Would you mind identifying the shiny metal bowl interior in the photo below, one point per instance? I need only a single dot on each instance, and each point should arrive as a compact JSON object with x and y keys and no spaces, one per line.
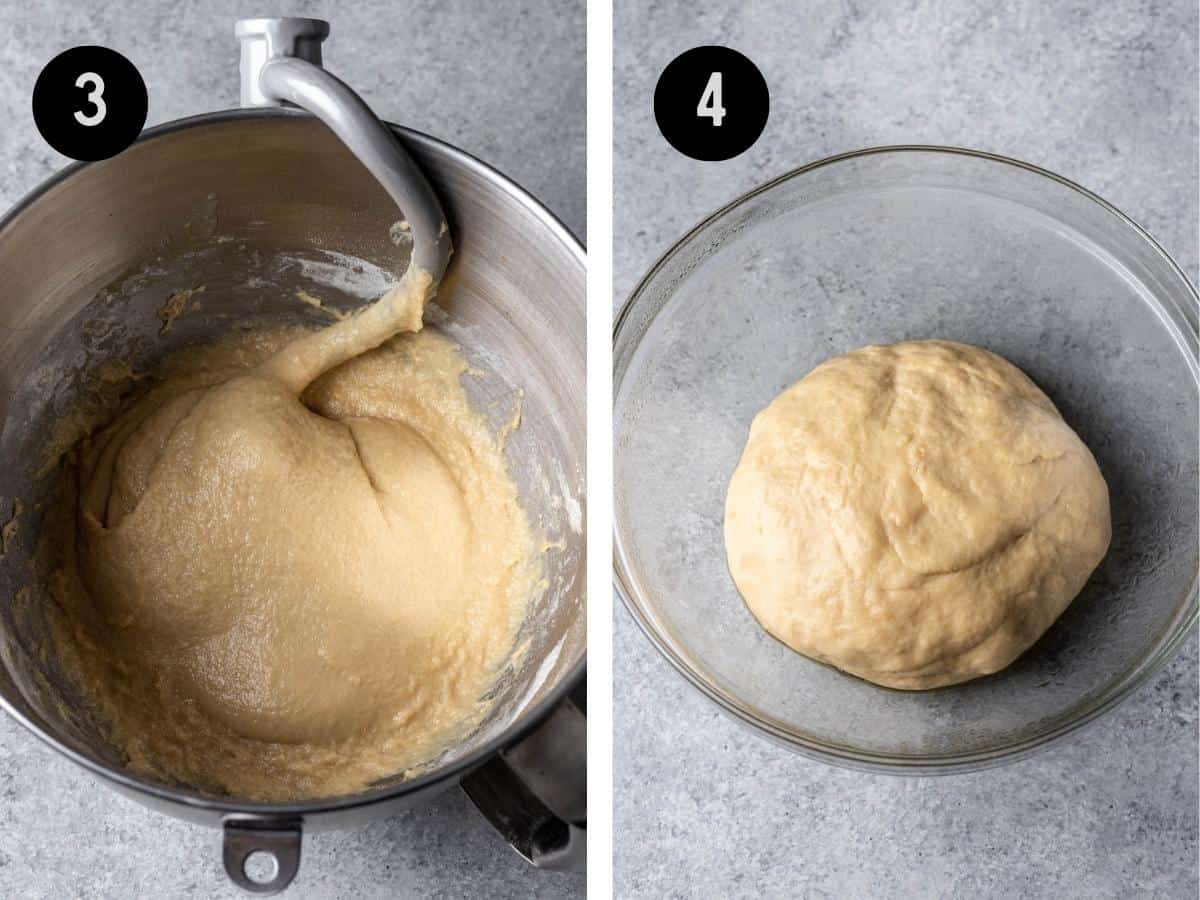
{"x":876,"y":247}
{"x":253,"y":207}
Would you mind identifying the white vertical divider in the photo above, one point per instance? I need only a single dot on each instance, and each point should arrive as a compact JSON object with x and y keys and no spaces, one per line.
{"x":599,"y":451}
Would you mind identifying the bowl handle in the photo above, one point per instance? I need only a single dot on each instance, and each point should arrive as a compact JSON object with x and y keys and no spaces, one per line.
{"x":278,"y":839}
{"x":535,"y":792}
{"x":281,"y":65}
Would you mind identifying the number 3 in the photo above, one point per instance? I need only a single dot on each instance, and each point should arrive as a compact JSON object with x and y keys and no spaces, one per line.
{"x":710,"y":100}
{"x":95,"y":97}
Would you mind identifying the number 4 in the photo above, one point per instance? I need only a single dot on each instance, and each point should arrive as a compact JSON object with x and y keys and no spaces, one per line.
{"x":710,"y":100}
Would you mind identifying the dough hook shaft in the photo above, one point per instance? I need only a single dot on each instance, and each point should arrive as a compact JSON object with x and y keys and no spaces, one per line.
{"x":281,"y":64}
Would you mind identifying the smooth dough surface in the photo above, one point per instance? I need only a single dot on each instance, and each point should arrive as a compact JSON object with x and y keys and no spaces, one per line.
{"x":915,"y":514}
{"x":300,"y":560}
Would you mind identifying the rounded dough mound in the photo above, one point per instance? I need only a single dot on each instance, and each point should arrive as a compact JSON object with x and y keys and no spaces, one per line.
{"x":916,"y":515}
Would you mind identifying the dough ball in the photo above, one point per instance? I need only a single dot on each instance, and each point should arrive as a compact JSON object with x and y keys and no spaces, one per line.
{"x":916,"y":514}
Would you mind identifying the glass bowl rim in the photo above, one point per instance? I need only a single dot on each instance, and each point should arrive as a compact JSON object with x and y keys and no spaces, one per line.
{"x":626,"y":585}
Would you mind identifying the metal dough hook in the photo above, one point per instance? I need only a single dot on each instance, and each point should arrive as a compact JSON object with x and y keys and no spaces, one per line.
{"x":281,"y":65}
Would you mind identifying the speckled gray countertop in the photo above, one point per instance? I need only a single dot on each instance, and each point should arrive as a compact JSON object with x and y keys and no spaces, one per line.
{"x":1104,"y":94}
{"x":503,"y":81}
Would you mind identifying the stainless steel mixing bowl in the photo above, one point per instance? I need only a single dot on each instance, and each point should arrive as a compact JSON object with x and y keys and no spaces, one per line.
{"x":254,"y":206}
{"x":881,"y":246}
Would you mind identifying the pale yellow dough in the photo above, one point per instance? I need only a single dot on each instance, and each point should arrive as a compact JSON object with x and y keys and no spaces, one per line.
{"x":916,"y":514}
{"x":301,"y":561}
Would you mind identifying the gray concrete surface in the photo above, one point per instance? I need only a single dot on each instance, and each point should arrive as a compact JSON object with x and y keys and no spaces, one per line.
{"x":505,"y":82}
{"x":1105,"y":94}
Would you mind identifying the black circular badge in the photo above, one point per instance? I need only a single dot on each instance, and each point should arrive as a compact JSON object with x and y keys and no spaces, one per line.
{"x":90,"y":103}
{"x":711,"y":103}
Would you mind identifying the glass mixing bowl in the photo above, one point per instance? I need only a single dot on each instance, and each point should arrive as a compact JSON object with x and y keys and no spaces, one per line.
{"x":881,"y":246}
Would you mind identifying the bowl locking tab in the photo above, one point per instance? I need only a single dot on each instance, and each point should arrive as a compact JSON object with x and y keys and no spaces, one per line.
{"x":275,"y":841}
